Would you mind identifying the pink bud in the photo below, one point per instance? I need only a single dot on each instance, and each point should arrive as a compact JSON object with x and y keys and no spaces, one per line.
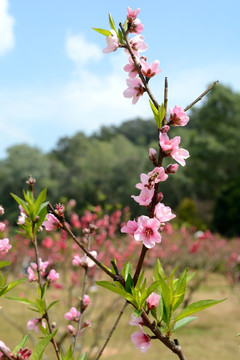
{"x":153,"y":301}
{"x":165,"y":129}
{"x":152,"y":155}
{"x":2,"y":226}
{"x":171,"y":169}
{"x":1,"y":210}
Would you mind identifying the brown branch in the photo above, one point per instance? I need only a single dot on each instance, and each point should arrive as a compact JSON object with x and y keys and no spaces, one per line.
{"x":172,"y":345}
{"x":165,"y":100}
{"x":65,"y":227}
{"x":201,"y":96}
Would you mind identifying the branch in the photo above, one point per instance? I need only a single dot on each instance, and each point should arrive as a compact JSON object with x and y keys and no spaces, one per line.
{"x":111,"y":331}
{"x":201,"y":96}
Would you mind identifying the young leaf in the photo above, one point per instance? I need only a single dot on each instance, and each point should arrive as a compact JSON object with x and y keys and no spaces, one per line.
{"x":137,"y":313}
{"x":117,"y":290}
{"x":52,"y":303}
{"x":21,"y":344}
{"x":183,"y":322}
{"x":111,"y":22}
{"x":39,"y":348}
{"x":21,"y":202}
{"x":103,"y":31}
{"x":4,"y":263}
{"x":195,"y":307}
{"x":83,"y":357}
{"x":41,"y":198}
{"x":180,"y":290}
{"x":22,"y":300}
{"x":10,"y":286}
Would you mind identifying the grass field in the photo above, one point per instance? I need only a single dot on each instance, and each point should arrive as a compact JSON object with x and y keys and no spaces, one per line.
{"x":212,"y":336}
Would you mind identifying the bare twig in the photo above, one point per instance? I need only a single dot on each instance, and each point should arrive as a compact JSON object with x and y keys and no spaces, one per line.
{"x":112,"y":331}
{"x":201,"y":96}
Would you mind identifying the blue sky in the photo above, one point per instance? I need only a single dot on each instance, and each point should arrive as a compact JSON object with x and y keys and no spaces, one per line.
{"x":55,"y":80}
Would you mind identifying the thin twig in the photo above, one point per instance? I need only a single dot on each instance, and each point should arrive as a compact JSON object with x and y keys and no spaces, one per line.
{"x":201,"y":96}
{"x":81,"y":303}
{"x":165,"y":100}
{"x":112,"y":331}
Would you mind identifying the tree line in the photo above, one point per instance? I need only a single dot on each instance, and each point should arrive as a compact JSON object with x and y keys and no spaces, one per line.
{"x":103,"y":168}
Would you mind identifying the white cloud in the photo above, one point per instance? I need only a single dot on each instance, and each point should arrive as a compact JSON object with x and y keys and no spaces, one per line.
{"x":6,"y":28}
{"x":80,"y":50}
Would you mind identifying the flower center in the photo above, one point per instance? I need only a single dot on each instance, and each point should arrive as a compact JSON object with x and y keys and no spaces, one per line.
{"x":148,"y":232}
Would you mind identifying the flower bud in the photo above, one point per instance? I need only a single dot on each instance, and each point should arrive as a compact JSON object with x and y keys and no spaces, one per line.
{"x":165,"y":129}
{"x":171,"y":169}
{"x":1,"y":210}
{"x":152,"y":155}
{"x":159,"y":196}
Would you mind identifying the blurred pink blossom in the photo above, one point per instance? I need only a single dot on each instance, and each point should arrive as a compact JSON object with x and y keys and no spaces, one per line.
{"x":141,"y":340}
{"x":112,"y":42}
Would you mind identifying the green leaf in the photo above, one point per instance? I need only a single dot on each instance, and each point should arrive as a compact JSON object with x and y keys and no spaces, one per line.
{"x":195,"y":307}
{"x":41,"y":198}
{"x":183,"y":322}
{"x":180,"y":290}
{"x":127,"y":269}
{"x":158,"y":272}
{"x":21,"y":344}
{"x":22,"y":300}
{"x":117,"y":290}
{"x":158,"y":113}
{"x":41,"y":305}
{"x":137,"y":313}
{"x":39,"y":348}
{"x":4,"y":263}
{"x":69,"y":354}
{"x":103,"y":31}
{"x":52,"y":304}
{"x":10,"y":286}
{"x":111,"y":22}
{"x":125,"y":25}
{"x":129,"y":285}
{"x":83,"y":357}
{"x":21,"y":202}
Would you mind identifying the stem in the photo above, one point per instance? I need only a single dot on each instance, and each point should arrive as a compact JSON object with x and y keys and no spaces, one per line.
{"x":201,"y":96}
{"x":82,"y":247}
{"x":140,"y":264}
{"x":112,"y":331}
{"x":53,"y":341}
{"x":165,"y":100}
{"x":138,"y":67}
{"x":81,"y":304}
{"x":172,"y":345}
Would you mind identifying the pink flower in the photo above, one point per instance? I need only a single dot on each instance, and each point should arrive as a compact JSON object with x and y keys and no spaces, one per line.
{"x":147,"y":231}
{"x":47,"y":242}
{"x":51,"y":223}
{"x":31,"y":274}
{"x":153,"y":301}
{"x":1,"y":210}
{"x":150,"y":70}
{"x":132,"y":14}
{"x":86,"y":301}
{"x":145,"y":196}
{"x":136,"y":321}
{"x":179,"y":155}
{"x":137,"y":44}
{"x":2,"y":226}
{"x":33,"y":324}
{"x":71,"y":330}
{"x":112,"y":42}
{"x":136,"y":27}
{"x":178,"y":117}
{"x":131,"y":68}
{"x":163,"y":213}
{"x":167,"y":144}
{"x":141,"y":340}
{"x":158,"y":174}
{"x":84,"y":261}
{"x":4,"y":347}
{"x":130,"y":228}
{"x":135,"y":89}
{"x":53,"y":276}
{"x":4,"y":246}
{"x":72,"y":315}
